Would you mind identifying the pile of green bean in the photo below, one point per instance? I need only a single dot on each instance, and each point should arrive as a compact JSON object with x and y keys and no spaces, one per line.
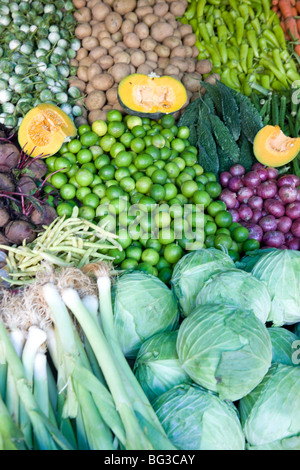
{"x":244,"y":41}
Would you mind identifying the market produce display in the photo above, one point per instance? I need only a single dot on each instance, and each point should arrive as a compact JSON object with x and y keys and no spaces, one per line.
{"x":150,"y":225}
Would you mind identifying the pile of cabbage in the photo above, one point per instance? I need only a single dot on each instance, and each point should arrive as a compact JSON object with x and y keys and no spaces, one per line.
{"x":218,"y":352}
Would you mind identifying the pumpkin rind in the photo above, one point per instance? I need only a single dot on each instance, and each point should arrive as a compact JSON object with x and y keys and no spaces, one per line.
{"x":151,"y":96}
{"x":44,"y":129}
{"x":272,"y":147}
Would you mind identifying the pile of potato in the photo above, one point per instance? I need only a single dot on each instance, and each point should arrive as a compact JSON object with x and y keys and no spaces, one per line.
{"x":120,"y":37}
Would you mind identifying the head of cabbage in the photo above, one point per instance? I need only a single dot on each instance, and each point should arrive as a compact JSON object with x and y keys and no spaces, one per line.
{"x":280,"y":271}
{"x":284,"y":346}
{"x":236,"y":287}
{"x":192,"y":271}
{"x":225,"y":349}
{"x":197,"y":419}
{"x":157,"y":366}
{"x":270,"y":413}
{"x":143,"y":305}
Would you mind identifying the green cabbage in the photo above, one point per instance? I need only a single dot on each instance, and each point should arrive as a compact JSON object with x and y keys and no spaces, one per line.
{"x":280,"y":271}
{"x":225,"y":349}
{"x":157,"y":366}
{"x":192,"y":271}
{"x":284,"y":344}
{"x":270,"y":414}
{"x":196,"y":419}
{"x":143,"y":305}
{"x":236,"y":287}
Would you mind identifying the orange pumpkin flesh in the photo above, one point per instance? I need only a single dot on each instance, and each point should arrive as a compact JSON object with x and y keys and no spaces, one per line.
{"x":273,"y":148}
{"x":44,"y":129}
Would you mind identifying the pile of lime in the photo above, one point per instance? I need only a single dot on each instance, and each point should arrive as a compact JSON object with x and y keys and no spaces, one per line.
{"x":141,"y":178}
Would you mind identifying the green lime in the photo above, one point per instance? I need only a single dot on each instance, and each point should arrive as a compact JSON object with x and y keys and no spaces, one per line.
{"x":58,"y":180}
{"x":99,"y":127}
{"x":127,"y":184}
{"x":99,"y":190}
{"x":143,"y":184}
{"x":116,"y":128}
{"x":165,"y":275}
{"x":154,"y":243}
{"x":213,"y":188}
{"x":101,"y":161}
{"x":214,"y":207}
{"x":123,"y":159}
{"x":107,"y":172}
{"x":84,"y":177}
{"x":91,"y":200}
{"x":172,"y":170}
{"x":201,"y":197}
{"x":173,"y":252}
{"x":157,"y":192}
{"x":114,"y":115}
{"x":64,"y":208}
{"x":166,"y":235}
{"x":116,"y":148}
{"x":81,"y":192}
{"x":210,"y":176}
{"x":153,"y":151}
{"x":138,"y":131}
{"x":89,"y":138}
{"x":162,"y":219}
{"x":159,"y":176}
{"x":234,"y":255}
{"x":170,"y":191}
{"x":240,"y":234}
{"x":87,"y":212}
{"x":167,"y":121}
{"x":124,"y":238}
{"x":132,"y":121}
{"x":106,"y":142}
{"x":74,"y":145}
{"x":134,"y":252}
{"x":62,"y":164}
{"x":223,"y":219}
{"x":129,"y":264}
{"x":67,"y":191}
{"x":210,"y":228}
{"x":150,"y":256}
{"x":126,"y":138}
{"x":146,"y":268}
{"x":189,"y":157}
{"x":158,"y":141}
{"x":142,"y":161}
{"x":250,"y":245}
{"x":223,"y":241}
{"x":183,"y":132}
{"x":189,"y":188}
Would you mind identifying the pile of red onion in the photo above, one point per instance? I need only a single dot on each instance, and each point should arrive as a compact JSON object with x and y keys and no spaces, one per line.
{"x":267,"y":203}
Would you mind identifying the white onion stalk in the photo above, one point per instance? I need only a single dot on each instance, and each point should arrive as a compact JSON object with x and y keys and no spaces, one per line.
{"x":40,"y":379}
{"x":12,"y":400}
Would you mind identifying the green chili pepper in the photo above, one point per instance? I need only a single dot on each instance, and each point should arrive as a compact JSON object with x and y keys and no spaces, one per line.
{"x":234,"y":5}
{"x":282,"y":111}
{"x":228,"y":21}
{"x":214,"y":2}
{"x":234,"y":77}
{"x":190,"y":11}
{"x":222,"y":48}
{"x":265,"y":81}
{"x":285,"y":56}
{"x":233,"y":53}
{"x":291,"y":65}
{"x":271,"y":38}
{"x":263,"y":45}
{"x":250,"y":57}
{"x":233,"y":41}
{"x":194,"y":24}
{"x":223,"y":32}
{"x":240,"y":28}
{"x":232,"y":64}
{"x":278,"y":86}
{"x":243,"y":56}
{"x":251,"y":12}
{"x":210,"y":29}
{"x":277,"y":60}
{"x":268,"y":64}
{"x":293,"y":75}
{"x":256,"y":26}
{"x":252,"y":39}
{"x":215,"y":56}
{"x":200,"y":4}
{"x":258,"y":8}
{"x":226,"y":78}
{"x":278,"y":31}
{"x":202,"y":29}
{"x":266,"y":8}
{"x":243,"y":9}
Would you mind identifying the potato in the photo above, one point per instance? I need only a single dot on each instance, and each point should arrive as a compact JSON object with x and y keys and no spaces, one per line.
{"x":191,"y":64}
{"x":95,"y":100}
{"x":159,"y":71}
{"x":81,"y":54}
{"x":185,"y":29}
{"x":83,"y":30}
{"x":160,"y":9}
{"x":132,"y":40}
{"x":151,"y":55}
{"x":172,"y":70}
{"x":178,"y":7}
{"x":89,"y":88}
{"x":83,"y":15}
{"x":82,"y":73}
{"x":100,"y":11}
{"x":148,"y":44}
{"x":80,"y":84}
{"x":92,"y":3}
{"x":112,"y":95}
{"x":122,"y":58}
{"x":180,"y":63}
{"x":189,"y":39}
{"x":86,"y":62}
{"x":195,"y":52}
{"x":96,"y":114}
{"x":119,"y":71}
{"x":204,"y":66}
{"x":113,"y":22}
{"x":191,"y":81}
{"x":93,"y":70}
{"x":178,"y":51}
{"x":162,"y":51}
{"x":97,"y":28}
{"x":74,"y":63}
{"x":143,"y":11}
{"x":141,"y":30}
{"x":118,"y":36}
{"x":212,"y":78}
{"x":107,"y":43}
{"x":145,"y":69}
{"x":103,"y":81}
{"x":105,"y":62}
{"x":89,"y":43}
{"x":137,"y":58}
{"x":124,"y":6}
{"x":172,"y":42}
{"x":98,"y":52}
{"x":132,"y":17}
{"x":163,"y":62}
{"x":79,"y":4}
{"x":127,"y":27}
{"x":112,"y":51}
{"x":150,"y":19}
{"x":161,"y":30}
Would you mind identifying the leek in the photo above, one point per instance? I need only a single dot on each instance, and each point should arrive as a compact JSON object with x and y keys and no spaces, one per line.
{"x":11,"y":437}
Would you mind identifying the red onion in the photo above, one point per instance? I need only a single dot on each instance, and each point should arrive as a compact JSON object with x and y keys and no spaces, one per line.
{"x":252,"y":179}
{"x":237,"y":204}
{"x":235,"y":183}
{"x":273,"y":238}
{"x":289,"y":237}
{"x":262,"y":173}
{"x":228,"y":197}
{"x":287,"y":193}
{"x":255,"y":231}
{"x":255,"y":202}
{"x":286,"y":180}
{"x":292,"y":210}
{"x":224,"y":178}
{"x":284,"y":224}
{"x":256,"y":216}
{"x":268,"y":223}
{"x":257,"y":166}
{"x":298,"y":194}
{"x":272,"y":172}
{"x":274,"y":207}
{"x":244,"y":194}
{"x":235,"y":215}
{"x":237,"y":170}
{"x":296,"y":180}
{"x":267,"y":189}
{"x":245,"y":212}
{"x":294,"y":244}
{"x":295,"y":229}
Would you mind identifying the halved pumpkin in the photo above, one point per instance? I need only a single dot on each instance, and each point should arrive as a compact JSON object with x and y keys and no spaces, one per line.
{"x":272,"y":147}
{"x":150,"y":95}
{"x":44,"y":129}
